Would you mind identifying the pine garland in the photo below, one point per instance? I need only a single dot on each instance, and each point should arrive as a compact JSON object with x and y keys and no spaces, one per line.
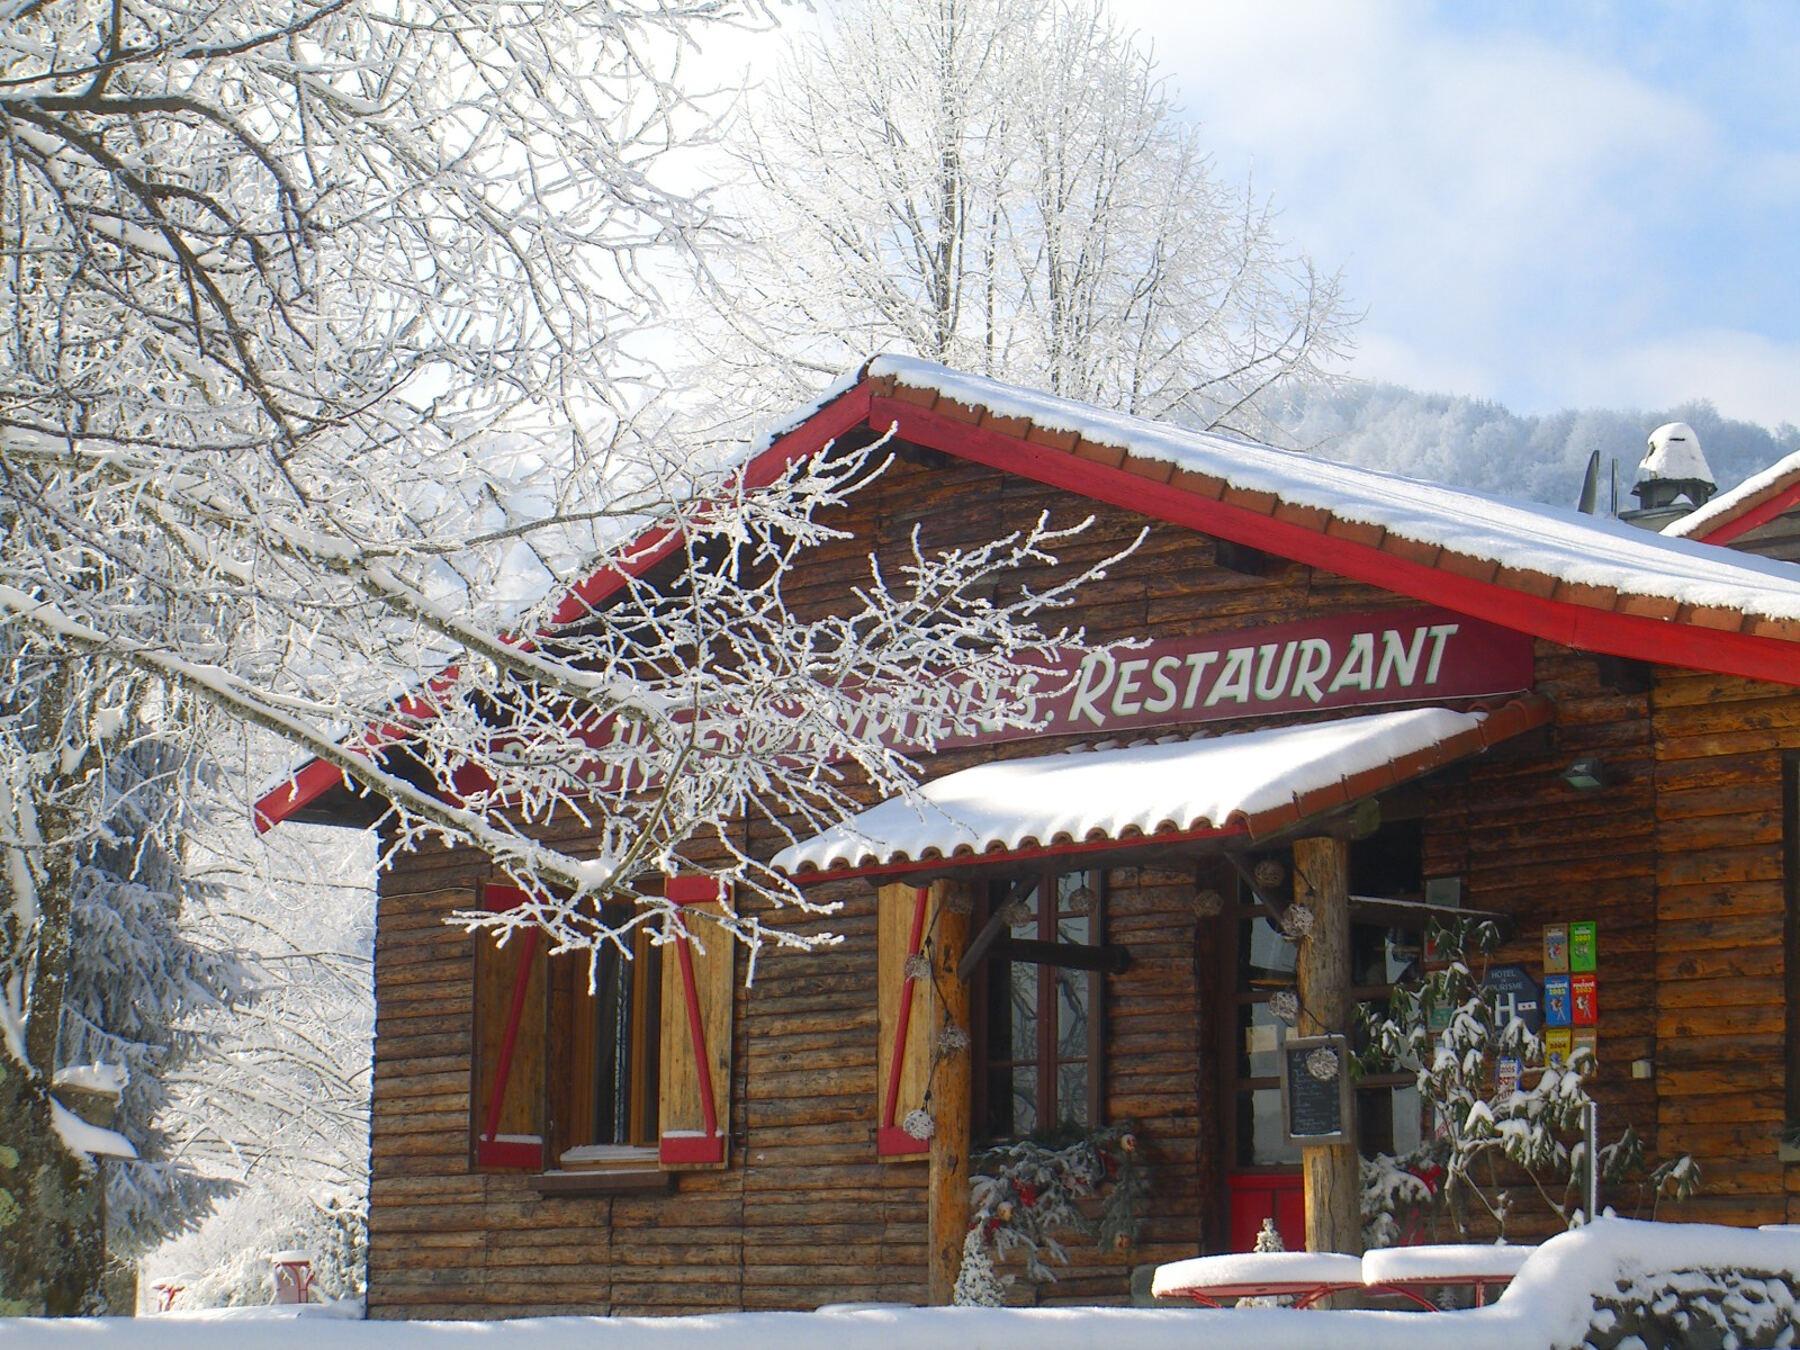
{"x":1026,"y":1193}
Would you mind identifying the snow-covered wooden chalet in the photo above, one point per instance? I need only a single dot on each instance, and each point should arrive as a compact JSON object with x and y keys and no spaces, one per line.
{"x":1414,"y":700}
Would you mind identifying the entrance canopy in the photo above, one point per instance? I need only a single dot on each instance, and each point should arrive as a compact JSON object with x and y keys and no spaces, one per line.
{"x":1252,"y":784}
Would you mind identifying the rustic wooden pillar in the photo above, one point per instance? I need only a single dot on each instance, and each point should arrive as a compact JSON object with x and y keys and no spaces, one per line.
{"x":948,"y":1183}
{"x":1333,"y":1172}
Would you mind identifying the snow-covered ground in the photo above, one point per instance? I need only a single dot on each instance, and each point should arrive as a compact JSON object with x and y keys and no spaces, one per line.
{"x":1667,"y":1267}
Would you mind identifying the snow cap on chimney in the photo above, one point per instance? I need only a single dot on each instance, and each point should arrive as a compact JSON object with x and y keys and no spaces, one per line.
{"x":1674,"y":456}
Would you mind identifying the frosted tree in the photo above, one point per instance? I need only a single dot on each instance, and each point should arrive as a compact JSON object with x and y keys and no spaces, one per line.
{"x":141,"y":987}
{"x":1005,"y":186}
{"x":317,"y":387}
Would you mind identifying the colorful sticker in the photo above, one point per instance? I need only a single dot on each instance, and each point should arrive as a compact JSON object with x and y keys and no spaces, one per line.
{"x":1437,"y":1018}
{"x":1558,"y":1041}
{"x":1556,"y":949}
{"x":1584,"y":996}
{"x":1506,"y":1077}
{"x":1558,"y":1008}
{"x":1587,"y":1041}
{"x":1584,"y":946}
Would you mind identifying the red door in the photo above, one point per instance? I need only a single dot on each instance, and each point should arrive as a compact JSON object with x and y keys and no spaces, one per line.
{"x":1256,"y":1196}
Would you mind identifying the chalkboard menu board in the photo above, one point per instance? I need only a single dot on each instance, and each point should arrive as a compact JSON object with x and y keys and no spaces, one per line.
{"x":1315,"y":1110}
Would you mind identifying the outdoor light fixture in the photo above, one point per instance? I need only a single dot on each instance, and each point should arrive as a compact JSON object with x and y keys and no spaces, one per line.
{"x":1587,"y":774}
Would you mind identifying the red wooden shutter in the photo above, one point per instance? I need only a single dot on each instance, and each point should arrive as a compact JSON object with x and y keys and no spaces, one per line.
{"x":695,"y":1080}
{"x":508,"y":1097}
{"x":903,"y":1063}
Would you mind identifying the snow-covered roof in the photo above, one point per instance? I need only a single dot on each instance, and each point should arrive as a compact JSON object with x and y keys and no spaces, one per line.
{"x":1675,"y":455}
{"x":1252,"y":782}
{"x":1540,"y":550}
{"x":1590,"y":583}
{"x":1778,"y":479}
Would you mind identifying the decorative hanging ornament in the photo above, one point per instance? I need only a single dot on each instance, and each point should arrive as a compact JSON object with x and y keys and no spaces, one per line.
{"x":952,"y":1040}
{"x":1080,"y":900}
{"x":1268,"y":874}
{"x":918,"y":967}
{"x":1297,"y":922}
{"x":959,"y":900}
{"x":1208,"y":904}
{"x":1285,"y":1005}
{"x":919,"y":1124}
{"x":1322,"y":1064}
{"x":1017,"y":912}
{"x":1128,"y":1142}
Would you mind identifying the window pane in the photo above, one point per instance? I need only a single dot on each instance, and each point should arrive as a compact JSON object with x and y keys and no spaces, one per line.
{"x":1072,"y":997}
{"x":1012,"y":1011}
{"x":1259,"y":1042}
{"x":1024,"y":1102}
{"x":1268,"y":957}
{"x":1074,"y":928}
{"x":1022,"y":993}
{"x":1026,"y":902}
{"x":1409,"y":1130}
{"x":1260,"y":1139}
{"x":1072,"y":1094}
{"x":1077,"y":892}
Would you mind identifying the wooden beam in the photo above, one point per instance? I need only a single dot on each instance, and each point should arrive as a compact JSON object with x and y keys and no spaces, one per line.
{"x":947,"y":1206}
{"x":990,"y":931}
{"x":1333,"y":1173}
{"x":1111,"y":958}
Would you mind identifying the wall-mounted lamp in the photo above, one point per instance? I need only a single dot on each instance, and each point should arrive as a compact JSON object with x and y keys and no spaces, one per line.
{"x":1587,"y":774}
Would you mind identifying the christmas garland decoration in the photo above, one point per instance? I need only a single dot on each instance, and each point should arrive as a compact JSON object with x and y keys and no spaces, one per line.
{"x":1026,"y":1193}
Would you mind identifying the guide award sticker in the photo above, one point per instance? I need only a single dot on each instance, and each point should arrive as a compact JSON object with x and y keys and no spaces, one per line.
{"x":1585,"y":998}
{"x":1556,"y":949}
{"x":1584,"y":946}
{"x":1558,"y":1011}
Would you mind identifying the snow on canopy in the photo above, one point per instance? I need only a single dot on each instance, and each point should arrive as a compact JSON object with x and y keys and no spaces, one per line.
{"x":1784,"y":473}
{"x":1208,"y":782}
{"x":1562,"y":544}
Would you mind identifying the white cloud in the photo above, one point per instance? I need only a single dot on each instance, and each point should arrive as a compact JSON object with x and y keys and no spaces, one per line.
{"x":1746,"y":375}
{"x":1500,"y":203}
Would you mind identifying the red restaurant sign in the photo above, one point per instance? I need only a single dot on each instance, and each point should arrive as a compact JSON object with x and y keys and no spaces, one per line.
{"x":1356,"y":660}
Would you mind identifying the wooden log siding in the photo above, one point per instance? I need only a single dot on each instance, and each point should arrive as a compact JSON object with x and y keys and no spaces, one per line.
{"x":1720,"y":1015}
{"x":805,"y":1213}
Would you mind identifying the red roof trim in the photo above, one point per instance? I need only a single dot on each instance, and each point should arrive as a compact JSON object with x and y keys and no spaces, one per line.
{"x":317,"y":777}
{"x":1760,"y":514}
{"x":1726,"y":652}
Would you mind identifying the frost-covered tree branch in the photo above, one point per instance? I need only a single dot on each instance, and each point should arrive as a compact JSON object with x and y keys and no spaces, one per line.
{"x":1007,"y":186}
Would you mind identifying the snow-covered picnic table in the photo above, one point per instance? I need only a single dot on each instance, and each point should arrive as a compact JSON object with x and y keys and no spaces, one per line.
{"x":1307,"y":1277}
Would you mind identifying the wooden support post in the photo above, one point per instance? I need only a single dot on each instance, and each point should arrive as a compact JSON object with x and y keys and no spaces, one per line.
{"x":948,"y":1183}
{"x":1333,"y":1173}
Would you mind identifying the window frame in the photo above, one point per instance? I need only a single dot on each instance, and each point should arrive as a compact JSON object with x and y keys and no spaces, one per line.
{"x":1047,"y":1060}
{"x":571,"y":1027}
{"x":561,"y":1076}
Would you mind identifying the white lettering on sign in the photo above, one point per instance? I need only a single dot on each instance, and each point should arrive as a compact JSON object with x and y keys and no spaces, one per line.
{"x":1391,"y":661}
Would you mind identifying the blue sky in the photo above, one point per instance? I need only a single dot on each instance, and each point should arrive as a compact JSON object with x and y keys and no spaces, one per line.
{"x":1549,"y":204}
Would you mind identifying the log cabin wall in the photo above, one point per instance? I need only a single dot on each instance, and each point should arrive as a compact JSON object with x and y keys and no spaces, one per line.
{"x":1724,"y":992}
{"x":804,"y":1213}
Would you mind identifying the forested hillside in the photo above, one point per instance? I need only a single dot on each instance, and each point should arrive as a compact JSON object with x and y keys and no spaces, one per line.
{"x":1476,"y":443}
